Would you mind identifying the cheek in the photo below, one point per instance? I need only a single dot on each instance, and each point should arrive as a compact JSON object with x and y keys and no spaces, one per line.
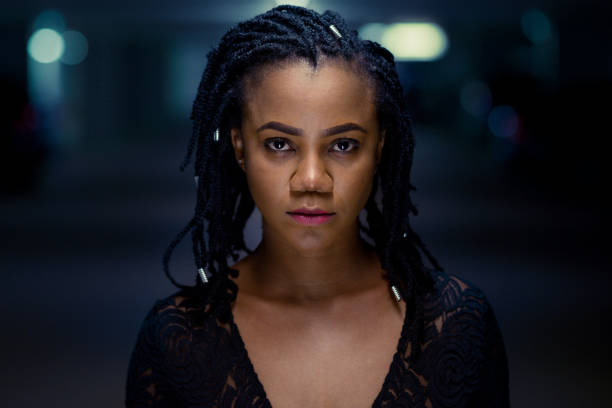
{"x":353,"y":189}
{"x":265,"y":184}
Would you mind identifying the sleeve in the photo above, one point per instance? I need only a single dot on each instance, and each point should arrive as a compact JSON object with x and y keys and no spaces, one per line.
{"x":494,"y":389}
{"x":146,"y":384}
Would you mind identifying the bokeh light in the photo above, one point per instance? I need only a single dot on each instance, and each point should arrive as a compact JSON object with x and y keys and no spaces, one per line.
{"x":49,"y":19}
{"x":503,"y":121}
{"x":415,"y":41}
{"x":372,"y":31}
{"x":536,"y":26}
{"x":46,"y":45}
{"x":301,"y":3}
{"x":409,"y":41}
{"x":76,"y":47}
{"x":476,"y":98}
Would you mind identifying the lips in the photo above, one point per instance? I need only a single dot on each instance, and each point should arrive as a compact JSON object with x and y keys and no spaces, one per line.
{"x":313,"y":211}
{"x":313,"y":216}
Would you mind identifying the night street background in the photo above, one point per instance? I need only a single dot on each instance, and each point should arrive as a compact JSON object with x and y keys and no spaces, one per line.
{"x":510,"y":168}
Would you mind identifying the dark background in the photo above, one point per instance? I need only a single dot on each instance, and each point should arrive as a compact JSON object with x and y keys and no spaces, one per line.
{"x":90,"y":192}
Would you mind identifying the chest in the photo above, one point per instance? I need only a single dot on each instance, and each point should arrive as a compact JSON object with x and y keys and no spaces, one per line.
{"x":321,"y":363}
{"x":332,"y":379}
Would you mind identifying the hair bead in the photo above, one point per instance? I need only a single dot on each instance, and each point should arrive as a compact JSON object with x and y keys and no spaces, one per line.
{"x":203,"y":276}
{"x":335,"y":31}
{"x":396,"y":293}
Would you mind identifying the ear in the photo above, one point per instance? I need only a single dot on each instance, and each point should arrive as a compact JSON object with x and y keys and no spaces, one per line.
{"x":379,"y":147}
{"x":238,"y":143}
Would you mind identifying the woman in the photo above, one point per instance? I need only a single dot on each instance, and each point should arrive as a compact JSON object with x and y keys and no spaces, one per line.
{"x":297,"y":115}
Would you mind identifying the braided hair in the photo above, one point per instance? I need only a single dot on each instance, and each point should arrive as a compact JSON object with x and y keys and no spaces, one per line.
{"x":224,"y":202}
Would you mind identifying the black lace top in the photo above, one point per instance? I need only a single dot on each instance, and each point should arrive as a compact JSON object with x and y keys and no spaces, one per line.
{"x":463,"y":362}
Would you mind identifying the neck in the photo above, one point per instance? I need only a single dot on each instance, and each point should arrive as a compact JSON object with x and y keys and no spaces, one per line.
{"x":277,"y":270}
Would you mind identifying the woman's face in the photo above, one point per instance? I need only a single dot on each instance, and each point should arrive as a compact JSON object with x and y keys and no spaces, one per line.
{"x":309,"y":140}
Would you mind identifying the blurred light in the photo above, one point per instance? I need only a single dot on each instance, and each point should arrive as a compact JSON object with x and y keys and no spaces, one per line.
{"x":536,"y":26}
{"x":46,"y":46}
{"x":503,"y":121}
{"x":476,"y":98}
{"x":49,"y":19}
{"x":301,"y":3}
{"x":372,"y":31}
{"x":44,"y":83}
{"x":184,"y":72}
{"x":415,"y":41}
{"x":408,"y":41}
{"x":76,"y":47}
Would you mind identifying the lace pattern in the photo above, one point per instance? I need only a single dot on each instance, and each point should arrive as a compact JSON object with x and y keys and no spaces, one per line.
{"x":463,"y":362}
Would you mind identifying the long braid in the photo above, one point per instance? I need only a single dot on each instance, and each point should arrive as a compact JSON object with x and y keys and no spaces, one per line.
{"x":224,"y":203}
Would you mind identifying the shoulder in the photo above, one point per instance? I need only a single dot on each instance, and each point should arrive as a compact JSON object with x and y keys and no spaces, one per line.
{"x":173,"y":320}
{"x":167,"y":311}
{"x":179,"y":349}
{"x":462,"y":338}
{"x":177,"y":330}
{"x":458,"y":307}
{"x":452,"y":294}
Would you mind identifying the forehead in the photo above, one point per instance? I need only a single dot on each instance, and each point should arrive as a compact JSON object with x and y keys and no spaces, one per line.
{"x":297,"y":91}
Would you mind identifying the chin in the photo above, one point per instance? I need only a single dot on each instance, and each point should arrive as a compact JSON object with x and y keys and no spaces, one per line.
{"x":311,"y":243}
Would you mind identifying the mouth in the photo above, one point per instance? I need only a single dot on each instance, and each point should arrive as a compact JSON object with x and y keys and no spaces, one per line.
{"x":310,"y":217}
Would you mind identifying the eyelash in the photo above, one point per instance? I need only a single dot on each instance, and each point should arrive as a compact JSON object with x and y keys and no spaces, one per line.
{"x":354,"y":145}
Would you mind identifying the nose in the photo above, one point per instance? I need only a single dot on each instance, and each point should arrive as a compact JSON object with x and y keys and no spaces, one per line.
{"x":311,"y":175}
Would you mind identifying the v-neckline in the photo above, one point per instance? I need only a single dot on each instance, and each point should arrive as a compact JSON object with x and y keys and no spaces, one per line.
{"x":258,"y":384}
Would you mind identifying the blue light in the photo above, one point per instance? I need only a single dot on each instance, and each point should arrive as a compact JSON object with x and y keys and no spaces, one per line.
{"x":536,"y":26}
{"x":76,"y":47}
{"x":46,"y":46}
{"x":50,"y":19}
{"x":476,"y":98}
{"x":503,"y":122}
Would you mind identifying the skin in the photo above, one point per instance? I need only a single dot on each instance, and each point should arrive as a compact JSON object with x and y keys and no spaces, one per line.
{"x":313,"y":308}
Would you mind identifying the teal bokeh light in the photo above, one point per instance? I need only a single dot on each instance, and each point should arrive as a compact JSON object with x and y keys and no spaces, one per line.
{"x":46,"y":46}
{"x":49,"y":19}
{"x":536,"y":26}
{"x":76,"y":47}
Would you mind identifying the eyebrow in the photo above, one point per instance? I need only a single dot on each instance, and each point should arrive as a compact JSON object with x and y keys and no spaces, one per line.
{"x":290,"y":130}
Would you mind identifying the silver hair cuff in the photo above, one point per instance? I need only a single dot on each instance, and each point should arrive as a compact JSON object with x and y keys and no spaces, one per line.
{"x":335,"y":31}
{"x":203,"y":276}
{"x":216,"y":135}
{"x":396,"y":293}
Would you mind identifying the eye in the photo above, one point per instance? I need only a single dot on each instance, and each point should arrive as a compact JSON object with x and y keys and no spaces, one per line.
{"x":345,"y":146}
{"x":277,"y":145}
